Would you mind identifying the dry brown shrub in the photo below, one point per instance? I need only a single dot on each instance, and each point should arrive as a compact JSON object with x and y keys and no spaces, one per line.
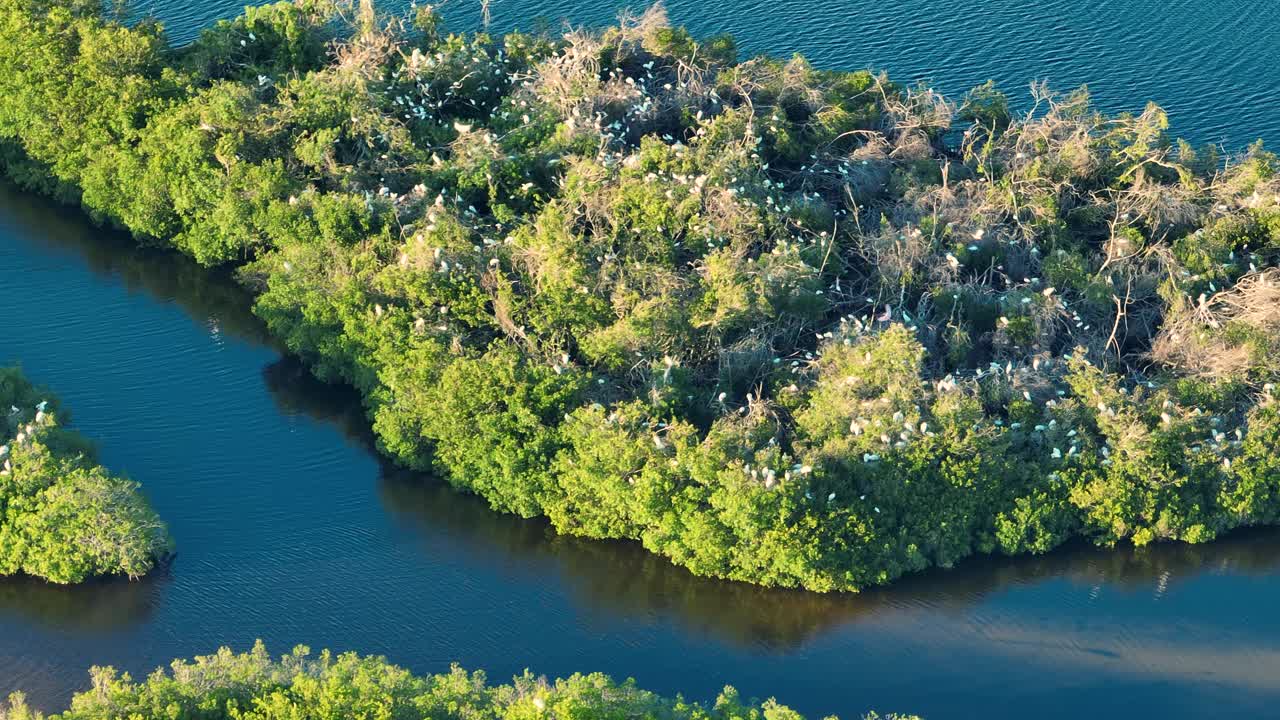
{"x":596,"y":100}
{"x":474,"y":147}
{"x":919,"y":109}
{"x":871,"y":168}
{"x":746,"y":362}
{"x":1241,"y":186}
{"x":633,"y":28}
{"x":1193,"y":340}
{"x":798,"y":87}
{"x":567,"y":78}
{"x":732,"y":218}
{"x":900,"y":254}
{"x":1164,"y":210}
{"x":962,"y":207}
{"x":914,"y":119}
{"x":373,"y":42}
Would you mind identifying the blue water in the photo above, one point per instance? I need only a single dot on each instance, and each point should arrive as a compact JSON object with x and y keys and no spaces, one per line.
{"x":290,"y":529}
{"x":1211,"y":63}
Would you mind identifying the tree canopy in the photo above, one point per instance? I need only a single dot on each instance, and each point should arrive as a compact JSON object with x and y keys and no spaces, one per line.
{"x":780,"y":324}
{"x":63,"y":517}
{"x":254,"y":686}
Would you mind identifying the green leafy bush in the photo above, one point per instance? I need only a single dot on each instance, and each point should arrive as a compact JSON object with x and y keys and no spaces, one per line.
{"x":254,"y":686}
{"x":780,"y":324}
{"x":63,"y":517}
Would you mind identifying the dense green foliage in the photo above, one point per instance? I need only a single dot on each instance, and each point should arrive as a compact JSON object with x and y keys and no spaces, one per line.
{"x":779,"y":324}
{"x":253,"y":686}
{"x":63,"y":517}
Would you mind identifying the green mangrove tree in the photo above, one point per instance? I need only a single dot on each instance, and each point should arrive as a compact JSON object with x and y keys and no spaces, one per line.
{"x":779,"y":324}
{"x":63,"y":517}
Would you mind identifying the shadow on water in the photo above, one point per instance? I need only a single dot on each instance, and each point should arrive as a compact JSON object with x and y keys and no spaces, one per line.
{"x":97,"y":606}
{"x":624,"y":580}
{"x":162,"y":275}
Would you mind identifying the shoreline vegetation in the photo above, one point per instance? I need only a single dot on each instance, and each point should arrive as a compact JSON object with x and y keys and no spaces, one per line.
{"x":781,"y":325}
{"x":254,"y":686}
{"x":64,"y":518}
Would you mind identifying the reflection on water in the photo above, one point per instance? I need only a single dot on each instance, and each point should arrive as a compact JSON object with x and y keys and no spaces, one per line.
{"x":165,"y":277}
{"x":619,"y":578}
{"x":625,"y":580}
{"x":622,"y":579}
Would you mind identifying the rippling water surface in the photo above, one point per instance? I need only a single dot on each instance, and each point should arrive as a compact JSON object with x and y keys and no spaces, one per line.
{"x":291,"y":530}
{"x":1211,"y":63}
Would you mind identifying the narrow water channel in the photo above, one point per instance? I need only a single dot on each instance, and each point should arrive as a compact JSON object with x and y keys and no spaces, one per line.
{"x":290,"y":529}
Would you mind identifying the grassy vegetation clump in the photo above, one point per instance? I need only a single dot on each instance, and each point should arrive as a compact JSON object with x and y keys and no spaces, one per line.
{"x":780,"y":324}
{"x":255,"y":686}
{"x":63,"y":517}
